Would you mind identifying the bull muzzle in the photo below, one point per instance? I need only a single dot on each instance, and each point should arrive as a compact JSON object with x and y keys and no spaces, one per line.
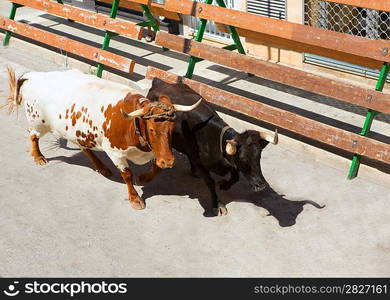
{"x":165,"y":163}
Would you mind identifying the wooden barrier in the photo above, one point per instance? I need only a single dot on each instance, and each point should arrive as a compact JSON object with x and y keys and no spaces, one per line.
{"x":69,"y":45}
{"x":283,"y":34}
{"x":86,"y":17}
{"x":101,"y":56}
{"x":310,"y":128}
{"x":371,"y":4}
{"x":155,"y":8}
{"x":279,"y":73}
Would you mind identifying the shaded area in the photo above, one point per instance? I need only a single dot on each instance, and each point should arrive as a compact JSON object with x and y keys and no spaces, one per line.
{"x":281,"y":208}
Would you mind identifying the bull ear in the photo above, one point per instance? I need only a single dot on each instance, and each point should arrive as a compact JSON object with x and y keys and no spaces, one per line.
{"x":164,"y":99}
{"x":231,"y":147}
{"x":157,"y":82}
{"x":272,"y":138}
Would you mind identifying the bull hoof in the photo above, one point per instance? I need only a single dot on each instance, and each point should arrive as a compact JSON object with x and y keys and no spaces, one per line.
{"x":105,"y":172}
{"x":40,"y":160}
{"x":149,"y":38}
{"x":221,"y":210}
{"x":138,"y":204}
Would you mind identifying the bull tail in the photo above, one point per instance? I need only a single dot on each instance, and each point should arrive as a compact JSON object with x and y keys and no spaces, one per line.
{"x":315,"y":204}
{"x":14,"y":99}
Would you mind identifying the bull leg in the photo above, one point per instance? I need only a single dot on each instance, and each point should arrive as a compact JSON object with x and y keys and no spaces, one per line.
{"x":36,"y":152}
{"x":193,"y":167}
{"x":135,"y":200}
{"x":217,"y":207}
{"x":100,"y":167}
{"x":147,"y":177}
{"x":123,"y":167}
{"x":227,"y":184}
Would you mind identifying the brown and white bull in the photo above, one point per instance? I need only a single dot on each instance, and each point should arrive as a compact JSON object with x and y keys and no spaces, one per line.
{"x":98,"y":115}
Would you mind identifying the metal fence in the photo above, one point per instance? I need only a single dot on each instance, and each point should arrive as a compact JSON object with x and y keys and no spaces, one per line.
{"x":368,"y":23}
{"x":354,"y":20}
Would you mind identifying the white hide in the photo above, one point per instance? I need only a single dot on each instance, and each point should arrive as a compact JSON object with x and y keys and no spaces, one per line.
{"x":50,"y":94}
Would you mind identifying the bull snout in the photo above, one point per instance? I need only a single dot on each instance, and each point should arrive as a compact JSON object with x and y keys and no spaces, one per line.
{"x":164,"y":163}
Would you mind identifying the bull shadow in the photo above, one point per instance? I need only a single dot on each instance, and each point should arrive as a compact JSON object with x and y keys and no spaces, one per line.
{"x":79,"y":158}
{"x":179,"y":181}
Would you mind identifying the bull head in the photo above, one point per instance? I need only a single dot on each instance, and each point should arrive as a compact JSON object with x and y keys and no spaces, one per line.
{"x":231,"y":145}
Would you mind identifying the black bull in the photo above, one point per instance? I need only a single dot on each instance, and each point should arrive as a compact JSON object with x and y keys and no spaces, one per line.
{"x":206,"y":140}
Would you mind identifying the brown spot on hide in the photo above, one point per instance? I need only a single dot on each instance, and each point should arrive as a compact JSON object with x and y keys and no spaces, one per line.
{"x":72,"y":108}
{"x":102,"y":109}
{"x":90,"y":123}
{"x":43,"y":121}
{"x":78,"y":133}
{"x":121,"y":132}
{"x":66,"y":127}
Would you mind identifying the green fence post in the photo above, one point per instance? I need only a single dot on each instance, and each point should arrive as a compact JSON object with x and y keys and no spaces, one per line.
{"x":353,"y":171}
{"x":151,"y":21}
{"x":12,"y":17}
{"x":199,"y":36}
{"x":233,"y":31}
{"x":107,"y":36}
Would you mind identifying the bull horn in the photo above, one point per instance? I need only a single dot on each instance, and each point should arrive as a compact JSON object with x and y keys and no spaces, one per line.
{"x":231,"y":147}
{"x":133,"y":114}
{"x":269,"y":137}
{"x":187,"y":107}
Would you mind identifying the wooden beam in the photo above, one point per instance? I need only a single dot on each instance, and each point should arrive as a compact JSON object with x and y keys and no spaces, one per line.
{"x":86,"y":17}
{"x":274,"y":41}
{"x":327,"y":134}
{"x":155,"y":8}
{"x":286,"y":75}
{"x":314,"y":40}
{"x":382,"y":5}
{"x":101,"y":56}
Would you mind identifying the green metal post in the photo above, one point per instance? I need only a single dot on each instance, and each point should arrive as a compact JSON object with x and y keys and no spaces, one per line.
{"x":233,"y":31}
{"x":151,"y":21}
{"x":107,"y":36}
{"x":11,"y":16}
{"x":199,"y":36}
{"x":353,"y":171}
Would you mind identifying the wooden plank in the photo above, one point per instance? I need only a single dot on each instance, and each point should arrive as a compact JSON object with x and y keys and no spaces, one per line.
{"x":101,"y":21}
{"x":286,"y":75}
{"x":314,"y":39}
{"x":155,"y":8}
{"x":101,"y":56}
{"x":327,"y":134}
{"x":372,"y":4}
{"x":274,"y":41}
